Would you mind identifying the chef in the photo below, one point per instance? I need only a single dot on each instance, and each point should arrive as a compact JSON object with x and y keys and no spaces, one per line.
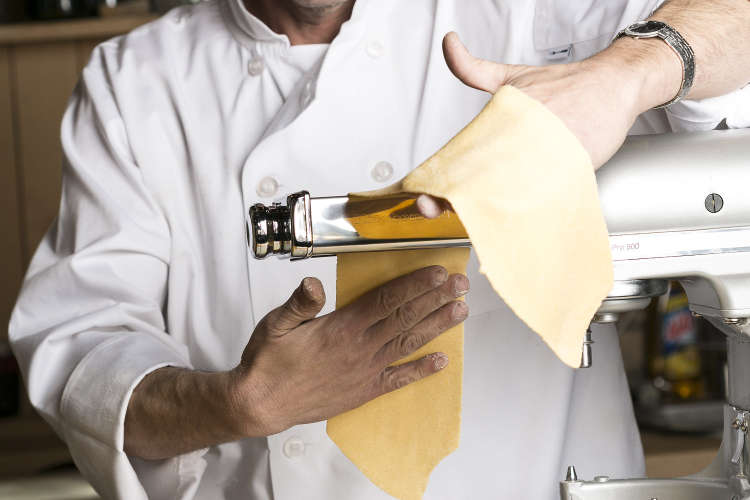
{"x":175,"y":366}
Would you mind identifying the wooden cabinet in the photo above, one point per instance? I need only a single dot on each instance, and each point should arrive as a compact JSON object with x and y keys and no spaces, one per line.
{"x":44,"y":76}
{"x":39,"y":65}
{"x":10,"y":220}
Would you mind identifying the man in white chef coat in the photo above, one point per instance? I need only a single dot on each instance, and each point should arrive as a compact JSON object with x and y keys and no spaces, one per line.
{"x":141,"y":300}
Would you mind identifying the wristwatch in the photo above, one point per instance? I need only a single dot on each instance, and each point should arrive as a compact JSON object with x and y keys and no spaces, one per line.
{"x":658,"y":29}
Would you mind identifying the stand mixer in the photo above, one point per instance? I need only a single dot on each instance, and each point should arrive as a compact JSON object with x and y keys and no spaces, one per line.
{"x":677,"y":208}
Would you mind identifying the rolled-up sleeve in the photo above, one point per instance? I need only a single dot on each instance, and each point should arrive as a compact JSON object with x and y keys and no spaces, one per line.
{"x":89,"y":322}
{"x":731,"y":110}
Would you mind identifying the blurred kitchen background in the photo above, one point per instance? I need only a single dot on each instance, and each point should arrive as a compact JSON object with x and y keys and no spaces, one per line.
{"x":44,"y":44}
{"x":674,"y":361}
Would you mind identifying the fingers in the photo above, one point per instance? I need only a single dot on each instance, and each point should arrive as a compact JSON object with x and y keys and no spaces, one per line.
{"x":396,"y":377}
{"x":474,"y":72}
{"x":430,"y":328}
{"x":381,"y":302}
{"x":412,"y":313}
{"x":304,"y":304}
{"x":431,"y":207}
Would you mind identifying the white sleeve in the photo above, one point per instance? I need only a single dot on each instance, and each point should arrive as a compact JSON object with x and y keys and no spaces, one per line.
{"x":730,"y":110}
{"x":89,"y":322}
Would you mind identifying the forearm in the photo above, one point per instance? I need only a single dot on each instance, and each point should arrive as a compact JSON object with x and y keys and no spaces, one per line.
{"x":175,"y":410}
{"x":719,"y":33}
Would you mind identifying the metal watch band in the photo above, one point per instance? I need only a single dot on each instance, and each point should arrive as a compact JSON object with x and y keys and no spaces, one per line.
{"x":678,"y":44}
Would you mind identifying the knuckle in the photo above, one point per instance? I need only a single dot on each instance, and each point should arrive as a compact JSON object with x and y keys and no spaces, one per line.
{"x":371,"y":369}
{"x":291,"y":309}
{"x":408,"y":343}
{"x":398,"y":378}
{"x":373,"y":389}
{"x":400,"y":382}
{"x":406,"y":316}
{"x":446,"y":318}
{"x":269,"y":324}
{"x":386,"y":300}
{"x":444,"y":298}
{"x":437,"y":275}
{"x":449,"y":315}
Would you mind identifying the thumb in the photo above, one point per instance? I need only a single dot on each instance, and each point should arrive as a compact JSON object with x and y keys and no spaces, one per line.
{"x":304,"y":304}
{"x":472,"y":71}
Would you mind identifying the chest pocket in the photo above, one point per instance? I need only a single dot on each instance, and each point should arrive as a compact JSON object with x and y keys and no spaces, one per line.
{"x":577,"y":30}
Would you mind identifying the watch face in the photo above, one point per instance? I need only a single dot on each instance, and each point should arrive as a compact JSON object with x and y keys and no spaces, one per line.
{"x":646,"y":27}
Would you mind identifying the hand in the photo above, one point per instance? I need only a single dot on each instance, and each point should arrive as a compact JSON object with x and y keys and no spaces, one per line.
{"x":598,"y":98}
{"x":298,"y":368}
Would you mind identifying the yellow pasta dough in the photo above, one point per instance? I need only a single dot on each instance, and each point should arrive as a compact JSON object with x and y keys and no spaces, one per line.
{"x":524,"y":189}
{"x":397,"y":439}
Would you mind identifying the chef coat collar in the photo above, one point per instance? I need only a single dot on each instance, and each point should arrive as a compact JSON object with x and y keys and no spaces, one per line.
{"x":248,"y":28}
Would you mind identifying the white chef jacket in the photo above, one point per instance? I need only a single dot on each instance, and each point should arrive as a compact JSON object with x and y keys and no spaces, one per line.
{"x":178,"y":127}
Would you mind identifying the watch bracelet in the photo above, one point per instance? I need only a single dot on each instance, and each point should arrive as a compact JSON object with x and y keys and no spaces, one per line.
{"x":684,"y":51}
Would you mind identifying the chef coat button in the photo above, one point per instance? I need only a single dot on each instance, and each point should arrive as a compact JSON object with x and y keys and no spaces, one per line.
{"x":293,"y":447}
{"x":375,"y":49}
{"x":267,"y":187}
{"x":255,"y":66}
{"x":306,"y":95}
{"x":382,"y":171}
